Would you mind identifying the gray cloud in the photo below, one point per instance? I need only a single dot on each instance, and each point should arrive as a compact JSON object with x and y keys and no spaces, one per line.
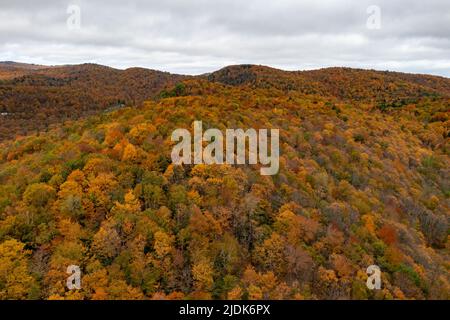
{"x":196,"y":36}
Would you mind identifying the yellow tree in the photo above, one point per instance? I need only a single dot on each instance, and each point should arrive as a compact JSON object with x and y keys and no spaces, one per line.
{"x":202,"y":273}
{"x":15,"y":279}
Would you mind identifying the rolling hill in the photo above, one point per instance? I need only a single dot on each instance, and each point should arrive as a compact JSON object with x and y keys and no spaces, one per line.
{"x":34,"y":97}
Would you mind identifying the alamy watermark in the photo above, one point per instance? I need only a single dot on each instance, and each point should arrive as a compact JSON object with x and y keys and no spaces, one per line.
{"x":374,"y":279}
{"x":74,"y":280}
{"x":74,"y":20}
{"x":374,"y":20}
{"x":235,"y":147}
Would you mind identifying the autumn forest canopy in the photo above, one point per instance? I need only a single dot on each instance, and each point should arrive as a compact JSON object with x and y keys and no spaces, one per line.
{"x":86,"y":179}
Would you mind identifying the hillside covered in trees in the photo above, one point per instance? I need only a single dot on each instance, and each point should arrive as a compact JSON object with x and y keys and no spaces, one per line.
{"x":363,"y":180}
{"x":32,"y":98}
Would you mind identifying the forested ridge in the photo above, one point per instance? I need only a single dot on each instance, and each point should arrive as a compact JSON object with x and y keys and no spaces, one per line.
{"x":363,"y":180}
{"x":34,"y":98}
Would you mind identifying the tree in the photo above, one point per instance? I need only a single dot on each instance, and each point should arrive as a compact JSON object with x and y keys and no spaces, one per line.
{"x":103,"y":190}
{"x":388,"y":234}
{"x":131,"y":205}
{"x":106,"y":243}
{"x":38,"y":195}
{"x":130,"y":153}
{"x":271,"y":254}
{"x":202,"y":273}
{"x":16,"y":281}
{"x":163,"y":243}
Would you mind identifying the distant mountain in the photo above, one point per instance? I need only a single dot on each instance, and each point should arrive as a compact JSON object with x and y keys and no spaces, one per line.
{"x":32,"y":97}
{"x":18,"y":65}
{"x":342,"y":83}
{"x":11,"y":69}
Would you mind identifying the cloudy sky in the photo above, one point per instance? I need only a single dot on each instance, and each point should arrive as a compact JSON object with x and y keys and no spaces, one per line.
{"x":197,"y":36}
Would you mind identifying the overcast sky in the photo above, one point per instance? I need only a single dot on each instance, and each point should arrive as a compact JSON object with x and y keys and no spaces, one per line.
{"x":197,"y":36}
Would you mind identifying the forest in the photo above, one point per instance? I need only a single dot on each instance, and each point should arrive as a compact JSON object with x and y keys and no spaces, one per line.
{"x":363,"y":180}
{"x":33,"y":98}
